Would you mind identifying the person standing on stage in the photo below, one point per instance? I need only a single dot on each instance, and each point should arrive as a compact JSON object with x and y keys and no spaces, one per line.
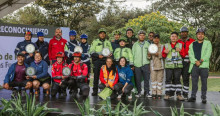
{"x":199,"y":55}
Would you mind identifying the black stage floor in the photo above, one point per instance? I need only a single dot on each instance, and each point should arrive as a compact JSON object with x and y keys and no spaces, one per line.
{"x":68,"y":106}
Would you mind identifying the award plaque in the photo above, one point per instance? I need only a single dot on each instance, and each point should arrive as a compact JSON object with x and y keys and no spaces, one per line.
{"x":30,"y":48}
{"x":153,"y":49}
{"x":30,"y":71}
{"x":66,"y":71}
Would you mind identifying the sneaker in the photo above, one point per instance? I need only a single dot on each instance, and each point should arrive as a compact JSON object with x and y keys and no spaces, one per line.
{"x":191,"y":99}
{"x":185,"y":97}
{"x":166,"y":97}
{"x":74,"y":94}
{"x":130,"y":97}
{"x":119,"y":96}
{"x":138,"y":95}
{"x":180,"y":98}
{"x":94,"y":94}
{"x":14,"y":92}
{"x":148,"y":95}
{"x":204,"y":101}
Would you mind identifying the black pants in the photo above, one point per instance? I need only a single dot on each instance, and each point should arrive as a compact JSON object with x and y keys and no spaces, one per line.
{"x":185,"y":76}
{"x":97,"y":66}
{"x":56,"y":87}
{"x":18,"y":84}
{"x":203,"y":73}
{"x":142,"y":72}
{"x":74,"y":84}
{"x":127,"y":91}
{"x":172,"y":82}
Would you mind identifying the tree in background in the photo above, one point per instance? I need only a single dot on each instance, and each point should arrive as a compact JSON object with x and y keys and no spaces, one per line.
{"x":158,"y":23}
{"x":70,"y":13}
{"x":30,"y":15}
{"x":112,"y":18}
{"x":198,"y":13}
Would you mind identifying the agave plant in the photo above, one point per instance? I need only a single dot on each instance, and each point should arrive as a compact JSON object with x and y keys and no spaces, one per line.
{"x":175,"y":112}
{"x":15,"y":107}
{"x":156,"y":112}
{"x":107,"y":110}
{"x":215,"y":109}
{"x":85,"y":109}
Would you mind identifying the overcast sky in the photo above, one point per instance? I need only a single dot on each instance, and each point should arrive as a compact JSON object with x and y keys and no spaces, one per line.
{"x":137,"y":3}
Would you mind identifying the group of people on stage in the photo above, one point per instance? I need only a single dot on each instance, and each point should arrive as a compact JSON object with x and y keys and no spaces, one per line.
{"x":127,"y":58}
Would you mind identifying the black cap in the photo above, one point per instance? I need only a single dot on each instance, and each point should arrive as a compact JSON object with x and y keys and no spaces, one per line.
{"x":21,"y":54}
{"x":157,"y":36}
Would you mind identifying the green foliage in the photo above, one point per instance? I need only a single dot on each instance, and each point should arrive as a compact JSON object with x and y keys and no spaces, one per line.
{"x":70,"y":13}
{"x":85,"y":109}
{"x":15,"y":107}
{"x":215,"y":109}
{"x":158,"y":23}
{"x":198,"y":13}
{"x":30,"y":15}
{"x":107,"y":110}
{"x":175,"y":112}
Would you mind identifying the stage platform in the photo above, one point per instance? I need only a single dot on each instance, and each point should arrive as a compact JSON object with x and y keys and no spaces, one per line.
{"x":69,"y":107}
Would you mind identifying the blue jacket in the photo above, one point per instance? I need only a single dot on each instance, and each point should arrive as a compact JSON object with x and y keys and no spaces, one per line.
{"x":21,"y":47}
{"x":41,"y":69}
{"x":125,"y":74}
{"x":9,"y":77}
{"x":43,"y":49}
{"x":115,"y":44}
{"x":69,"y":48}
{"x":85,"y":55}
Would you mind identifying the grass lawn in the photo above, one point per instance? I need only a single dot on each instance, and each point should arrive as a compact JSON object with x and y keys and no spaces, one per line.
{"x":213,"y":84}
{"x":214,"y":74}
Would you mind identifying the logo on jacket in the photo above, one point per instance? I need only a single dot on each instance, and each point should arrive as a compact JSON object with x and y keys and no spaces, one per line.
{"x":122,"y":75}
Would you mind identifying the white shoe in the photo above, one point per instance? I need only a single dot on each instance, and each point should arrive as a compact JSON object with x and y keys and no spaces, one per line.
{"x":149,"y":96}
{"x":119,"y":96}
{"x":130,"y":97}
{"x":138,"y":95}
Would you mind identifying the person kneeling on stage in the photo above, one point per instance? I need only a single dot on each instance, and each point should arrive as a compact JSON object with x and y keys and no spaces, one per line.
{"x":124,"y":86}
{"x":109,"y":76}
{"x":41,"y":77}
{"x":77,"y":79}
{"x":15,"y":76}
{"x":59,"y":81}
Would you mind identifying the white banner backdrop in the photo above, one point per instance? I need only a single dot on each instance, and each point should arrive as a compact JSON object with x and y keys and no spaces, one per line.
{"x":7,"y":47}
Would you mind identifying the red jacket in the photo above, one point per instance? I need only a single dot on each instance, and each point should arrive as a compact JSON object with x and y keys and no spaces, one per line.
{"x":57,"y":70}
{"x":186,"y":45}
{"x":101,"y":76}
{"x":79,"y":69}
{"x":55,"y":46}
{"x":182,"y":52}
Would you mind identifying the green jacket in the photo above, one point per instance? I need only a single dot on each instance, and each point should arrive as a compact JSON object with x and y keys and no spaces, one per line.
{"x":97,"y":46}
{"x":205,"y":55}
{"x":140,"y":54}
{"x":126,"y":52}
